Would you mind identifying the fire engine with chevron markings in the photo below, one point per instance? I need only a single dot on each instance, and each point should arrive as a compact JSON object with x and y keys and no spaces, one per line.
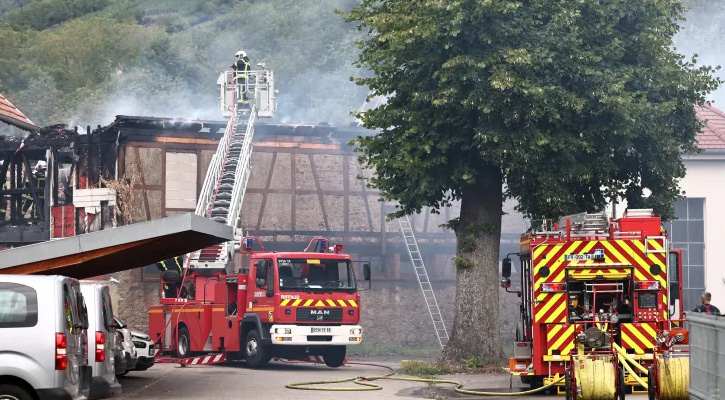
{"x":290,"y":305}
{"x":601,"y":309}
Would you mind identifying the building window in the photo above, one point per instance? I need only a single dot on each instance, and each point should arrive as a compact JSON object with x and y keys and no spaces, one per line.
{"x":687,"y":233}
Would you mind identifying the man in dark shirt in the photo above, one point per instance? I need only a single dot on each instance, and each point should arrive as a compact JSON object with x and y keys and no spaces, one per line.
{"x":706,"y":307}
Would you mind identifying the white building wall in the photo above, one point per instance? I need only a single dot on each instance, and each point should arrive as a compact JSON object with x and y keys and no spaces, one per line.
{"x":706,"y":179}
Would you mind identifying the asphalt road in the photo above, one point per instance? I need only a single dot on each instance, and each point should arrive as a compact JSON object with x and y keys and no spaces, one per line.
{"x":233,"y":381}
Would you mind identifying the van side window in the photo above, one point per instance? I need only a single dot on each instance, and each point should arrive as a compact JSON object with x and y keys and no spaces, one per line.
{"x":107,"y":311}
{"x":70,"y":314}
{"x":18,"y":306}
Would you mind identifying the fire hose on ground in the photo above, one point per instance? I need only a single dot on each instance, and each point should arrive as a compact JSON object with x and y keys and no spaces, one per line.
{"x":672,"y":381}
{"x":366,"y":383}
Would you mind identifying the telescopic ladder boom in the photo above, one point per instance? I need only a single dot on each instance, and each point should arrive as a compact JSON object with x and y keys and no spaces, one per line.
{"x":225,"y":185}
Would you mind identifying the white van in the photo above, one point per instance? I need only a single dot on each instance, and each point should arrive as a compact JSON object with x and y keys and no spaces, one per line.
{"x":42,"y":338}
{"x":101,"y":341}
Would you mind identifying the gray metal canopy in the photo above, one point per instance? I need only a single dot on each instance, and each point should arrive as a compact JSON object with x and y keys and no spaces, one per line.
{"x":116,"y":249}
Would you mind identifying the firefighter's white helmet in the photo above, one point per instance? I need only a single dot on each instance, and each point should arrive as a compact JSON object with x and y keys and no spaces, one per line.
{"x":241,"y":53}
{"x":41,"y":165}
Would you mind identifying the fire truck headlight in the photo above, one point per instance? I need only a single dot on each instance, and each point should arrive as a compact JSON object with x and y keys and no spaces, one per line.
{"x":680,"y":338}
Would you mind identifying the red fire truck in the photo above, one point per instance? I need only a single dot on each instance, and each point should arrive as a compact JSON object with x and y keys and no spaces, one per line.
{"x":289,"y":305}
{"x":597,"y":297}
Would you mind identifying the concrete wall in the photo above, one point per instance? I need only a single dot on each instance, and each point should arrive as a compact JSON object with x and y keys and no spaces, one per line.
{"x":705,"y":177}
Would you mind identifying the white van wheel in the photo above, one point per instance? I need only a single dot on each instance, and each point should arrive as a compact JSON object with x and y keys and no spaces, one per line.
{"x":12,"y":392}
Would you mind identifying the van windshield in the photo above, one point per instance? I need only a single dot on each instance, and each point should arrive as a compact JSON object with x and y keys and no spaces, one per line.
{"x":315,"y":274}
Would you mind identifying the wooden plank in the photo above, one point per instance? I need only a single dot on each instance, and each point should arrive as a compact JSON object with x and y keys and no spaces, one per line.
{"x":172,"y":146}
{"x":326,"y":192}
{"x":319,"y":191}
{"x":161,"y":139}
{"x":346,"y":189}
{"x":293,"y":189}
{"x":33,"y":186}
{"x":143,"y":183}
{"x":163,"y":183}
{"x":266,"y":191}
{"x":260,"y":148}
{"x":367,"y":206}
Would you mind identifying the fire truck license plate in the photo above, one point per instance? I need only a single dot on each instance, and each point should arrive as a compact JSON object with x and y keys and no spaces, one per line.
{"x":321,"y":330}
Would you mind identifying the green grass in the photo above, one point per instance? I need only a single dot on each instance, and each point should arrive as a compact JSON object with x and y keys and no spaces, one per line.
{"x":432,"y":369}
{"x":393,"y":349}
{"x":423,"y":369}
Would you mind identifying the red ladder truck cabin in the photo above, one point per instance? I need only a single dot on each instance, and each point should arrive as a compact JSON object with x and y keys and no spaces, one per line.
{"x":288,"y":305}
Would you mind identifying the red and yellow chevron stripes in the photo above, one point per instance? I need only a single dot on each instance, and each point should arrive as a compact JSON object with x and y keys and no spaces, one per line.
{"x":621,"y":258}
{"x":640,"y":337}
{"x":559,"y":339}
{"x":317,"y":303}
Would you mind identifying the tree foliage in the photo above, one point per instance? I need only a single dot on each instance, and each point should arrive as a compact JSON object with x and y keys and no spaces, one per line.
{"x":566,"y":104}
{"x":575,"y":101}
{"x":100,"y":58}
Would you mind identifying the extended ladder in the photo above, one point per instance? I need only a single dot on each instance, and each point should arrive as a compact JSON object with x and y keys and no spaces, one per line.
{"x":416,"y":258}
{"x":225,"y":185}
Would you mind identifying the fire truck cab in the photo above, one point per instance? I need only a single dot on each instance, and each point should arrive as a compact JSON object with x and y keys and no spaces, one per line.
{"x":287,"y":305}
{"x":601,"y":290}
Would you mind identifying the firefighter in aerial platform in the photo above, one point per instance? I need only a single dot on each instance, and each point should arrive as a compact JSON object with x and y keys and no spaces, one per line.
{"x":171,"y":289}
{"x":241,"y":72}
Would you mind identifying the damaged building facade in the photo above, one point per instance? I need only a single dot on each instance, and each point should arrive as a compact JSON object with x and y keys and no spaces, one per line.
{"x":305,"y":182}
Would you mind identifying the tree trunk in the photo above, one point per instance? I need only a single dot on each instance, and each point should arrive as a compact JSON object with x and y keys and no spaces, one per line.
{"x":476,"y":332}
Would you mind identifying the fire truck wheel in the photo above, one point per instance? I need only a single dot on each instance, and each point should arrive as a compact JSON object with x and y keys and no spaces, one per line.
{"x":335,"y":356}
{"x":184,"y":343}
{"x":621,"y":387}
{"x":651,"y":383}
{"x":255,"y":353}
{"x":567,"y":385}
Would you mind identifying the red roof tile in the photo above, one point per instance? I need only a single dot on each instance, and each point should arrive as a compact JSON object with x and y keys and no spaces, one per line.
{"x":11,"y":115}
{"x":713,"y":133}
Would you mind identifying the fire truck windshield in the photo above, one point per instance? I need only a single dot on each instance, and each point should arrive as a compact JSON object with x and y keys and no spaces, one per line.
{"x":315,"y":274}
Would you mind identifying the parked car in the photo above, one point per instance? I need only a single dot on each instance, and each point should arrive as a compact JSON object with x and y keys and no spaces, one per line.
{"x":129,"y":351}
{"x":102,"y":341}
{"x":119,"y":355}
{"x":43,"y":328}
{"x":145,"y":349}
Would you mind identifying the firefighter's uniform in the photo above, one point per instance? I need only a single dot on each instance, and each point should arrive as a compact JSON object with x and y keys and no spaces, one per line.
{"x":172,"y":264}
{"x":241,"y":71}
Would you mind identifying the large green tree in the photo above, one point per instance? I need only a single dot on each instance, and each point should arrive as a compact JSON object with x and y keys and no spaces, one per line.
{"x":563,"y":105}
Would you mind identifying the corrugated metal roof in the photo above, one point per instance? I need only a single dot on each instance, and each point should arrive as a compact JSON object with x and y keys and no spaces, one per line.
{"x":117,"y":249}
{"x":11,"y":115}
{"x":713,"y":133}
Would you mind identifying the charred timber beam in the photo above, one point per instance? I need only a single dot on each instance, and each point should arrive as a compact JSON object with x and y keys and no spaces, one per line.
{"x":319,"y":191}
{"x":39,"y":207}
{"x":266,"y":188}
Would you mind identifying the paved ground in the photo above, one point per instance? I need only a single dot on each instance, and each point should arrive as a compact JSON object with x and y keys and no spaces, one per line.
{"x":166,"y":381}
